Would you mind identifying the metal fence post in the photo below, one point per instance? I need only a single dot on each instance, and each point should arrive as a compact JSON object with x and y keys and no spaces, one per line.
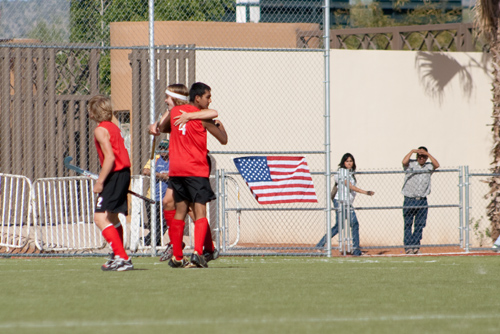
{"x":217,"y":208}
{"x":223,"y":209}
{"x":152,"y":120}
{"x":326,"y":45}
{"x":461,"y":205}
{"x":343,"y":220}
{"x":467,"y":207}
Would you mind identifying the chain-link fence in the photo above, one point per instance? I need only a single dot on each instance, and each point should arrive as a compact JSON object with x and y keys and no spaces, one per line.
{"x":268,"y":89}
{"x":478,"y":231}
{"x":55,"y":215}
{"x":56,"y":54}
{"x":253,"y":228}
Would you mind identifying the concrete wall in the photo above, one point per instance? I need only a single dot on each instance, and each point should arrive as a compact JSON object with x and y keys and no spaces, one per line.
{"x":383,"y":104}
{"x":202,"y":34}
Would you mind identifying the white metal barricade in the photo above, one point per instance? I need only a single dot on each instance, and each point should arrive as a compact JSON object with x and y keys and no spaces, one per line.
{"x":139,"y":217}
{"x":16,"y":205}
{"x":63,"y":215}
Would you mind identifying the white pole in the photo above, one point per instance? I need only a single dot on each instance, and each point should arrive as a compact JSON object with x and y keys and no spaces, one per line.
{"x":152,"y":120}
{"x":326,"y":44}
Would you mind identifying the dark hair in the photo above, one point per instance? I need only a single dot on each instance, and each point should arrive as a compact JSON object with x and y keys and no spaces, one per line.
{"x":198,"y":89}
{"x":344,"y":159}
{"x":423,"y":148}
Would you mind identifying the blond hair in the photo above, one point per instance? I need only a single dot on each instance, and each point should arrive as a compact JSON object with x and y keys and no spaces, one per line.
{"x":100,"y":108}
{"x":178,"y":89}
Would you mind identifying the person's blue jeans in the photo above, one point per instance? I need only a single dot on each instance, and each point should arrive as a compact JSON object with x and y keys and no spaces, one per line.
{"x":415,"y":219}
{"x":335,"y":229}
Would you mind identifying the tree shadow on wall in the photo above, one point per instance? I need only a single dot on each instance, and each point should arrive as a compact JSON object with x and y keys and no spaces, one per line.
{"x":436,"y":71}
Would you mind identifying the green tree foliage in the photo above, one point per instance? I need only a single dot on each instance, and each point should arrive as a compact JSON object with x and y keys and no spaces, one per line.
{"x":371,"y":15}
{"x":47,"y":33}
{"x":90,"y":19}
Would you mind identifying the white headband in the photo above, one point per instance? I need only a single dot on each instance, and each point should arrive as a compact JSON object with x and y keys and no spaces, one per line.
{"x":177,"y":96}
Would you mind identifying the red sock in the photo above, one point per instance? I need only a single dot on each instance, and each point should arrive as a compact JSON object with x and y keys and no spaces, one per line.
{"x":120,"y":232}
{"x":176,"y":231}
{"x":113,"y":238}
{"x":169,"y":217}
{"x":200,"y":233}
{"x":208,"y":245}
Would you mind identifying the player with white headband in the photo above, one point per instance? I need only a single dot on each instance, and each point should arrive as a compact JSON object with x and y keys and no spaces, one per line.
{"x":177,"y":95}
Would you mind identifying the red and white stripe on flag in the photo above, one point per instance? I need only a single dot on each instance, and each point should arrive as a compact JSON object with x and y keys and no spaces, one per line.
{"x":278,"y":179}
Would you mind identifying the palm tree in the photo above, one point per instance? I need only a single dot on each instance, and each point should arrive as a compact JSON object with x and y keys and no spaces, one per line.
{"x":487,"y":20}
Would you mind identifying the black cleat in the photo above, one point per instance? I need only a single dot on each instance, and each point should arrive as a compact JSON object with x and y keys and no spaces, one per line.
{"x":198,"y":260}
{"x":211,"y":256}
{"x":177,"y":264}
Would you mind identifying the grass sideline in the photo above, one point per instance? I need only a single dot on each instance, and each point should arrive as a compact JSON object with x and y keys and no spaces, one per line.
{"x":253,"y":295}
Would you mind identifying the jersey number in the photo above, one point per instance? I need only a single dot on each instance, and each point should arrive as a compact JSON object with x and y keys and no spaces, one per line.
{"x":182,"y":129}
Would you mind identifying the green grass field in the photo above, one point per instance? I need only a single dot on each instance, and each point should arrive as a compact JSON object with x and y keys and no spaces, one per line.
{"x":253,"y":295}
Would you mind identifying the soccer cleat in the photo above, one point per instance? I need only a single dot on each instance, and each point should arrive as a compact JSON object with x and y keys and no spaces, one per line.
{"x":174,"y":263}
{"x":105,"y":267}
{"x":198,"y":260}
{"x":211,"y":256}
{"x":125,"y":265}
{"x":167,"y":255}
{"x":496,"y":247}
{"x":169,"y":252}
{"x":120,"y":264}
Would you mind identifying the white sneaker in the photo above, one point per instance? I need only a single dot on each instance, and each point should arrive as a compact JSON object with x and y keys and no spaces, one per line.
{"x":496,"y":247}
{"x":120,"y":264}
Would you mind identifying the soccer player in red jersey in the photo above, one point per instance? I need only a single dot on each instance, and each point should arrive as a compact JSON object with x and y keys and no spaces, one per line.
{"x":113,"y":181}
{"x":189,"y":172}
{"x":177,"y":95}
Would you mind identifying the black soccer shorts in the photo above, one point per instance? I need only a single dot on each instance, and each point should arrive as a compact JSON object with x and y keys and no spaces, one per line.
{"x":191,"y":189}
{"x":113,"y":197}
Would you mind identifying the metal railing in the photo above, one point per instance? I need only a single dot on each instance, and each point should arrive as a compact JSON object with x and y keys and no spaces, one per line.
{"x":55,"y":214}
{"x":434,"y":37}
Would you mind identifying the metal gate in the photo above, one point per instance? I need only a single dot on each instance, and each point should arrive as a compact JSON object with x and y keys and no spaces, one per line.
{"x":380,"y":217}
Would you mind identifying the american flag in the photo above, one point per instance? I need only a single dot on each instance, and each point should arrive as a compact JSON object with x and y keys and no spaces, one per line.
{"x":274,"y":180}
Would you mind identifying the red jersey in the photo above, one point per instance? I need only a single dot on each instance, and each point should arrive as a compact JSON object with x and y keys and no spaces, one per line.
{"x":188,"y":146}
{"x":122,"y":159}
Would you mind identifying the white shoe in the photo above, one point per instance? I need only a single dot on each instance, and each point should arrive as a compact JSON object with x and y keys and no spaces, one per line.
{"x":120,"y":264}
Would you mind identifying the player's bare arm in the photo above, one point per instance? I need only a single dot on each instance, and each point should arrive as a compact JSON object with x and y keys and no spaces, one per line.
{"x":216,"y":129}
{"x":164,"y":125}
{"x":205,"y":114}
{"x":154,"y":129}
{"x":102,"y":137}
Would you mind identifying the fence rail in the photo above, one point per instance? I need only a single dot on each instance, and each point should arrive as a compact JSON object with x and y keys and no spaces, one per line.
{"x":56,"y":215}
{"x":16,"y":206}
{"x":434,"y":37}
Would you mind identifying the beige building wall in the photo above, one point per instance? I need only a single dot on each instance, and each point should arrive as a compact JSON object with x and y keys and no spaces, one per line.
{"x":202,"y":34}
{"x":383,"y":104}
